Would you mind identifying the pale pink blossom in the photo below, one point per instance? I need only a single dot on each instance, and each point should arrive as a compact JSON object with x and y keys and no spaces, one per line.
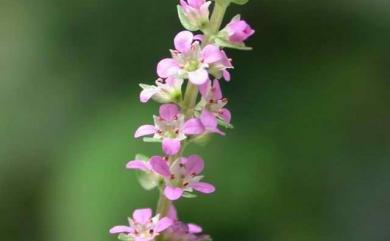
{"x":182,"y":176}
{"x":142,"y":226}
{"x":171,"y":127}
{"x":165,"y":90}
{"x":190,"y":61}
{"x":213,"y":101}
{"x":180,"y":231}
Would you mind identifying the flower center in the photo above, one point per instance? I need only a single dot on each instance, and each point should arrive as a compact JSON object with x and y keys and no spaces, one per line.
{"x":191,"y":65}
{"x":144,"y":230}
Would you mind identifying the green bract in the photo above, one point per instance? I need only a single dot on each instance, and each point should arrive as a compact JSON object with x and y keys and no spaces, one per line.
{"x":227,"y":44}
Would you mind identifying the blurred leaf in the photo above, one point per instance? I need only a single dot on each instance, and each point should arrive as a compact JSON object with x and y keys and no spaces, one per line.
{"x":240,"y":2}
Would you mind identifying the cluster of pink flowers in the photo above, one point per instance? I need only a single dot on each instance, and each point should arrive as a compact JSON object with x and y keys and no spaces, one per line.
{"x":199,"y":62}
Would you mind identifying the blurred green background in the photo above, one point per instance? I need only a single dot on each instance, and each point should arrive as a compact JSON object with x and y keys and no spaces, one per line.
{"x":307,"y":161}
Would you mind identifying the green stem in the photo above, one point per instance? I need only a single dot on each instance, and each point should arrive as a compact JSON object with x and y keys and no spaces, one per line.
{"x":189,"y":101}
{"x":163,"y":205}
{"x":216,"y":19}
{"x":218,"y":14}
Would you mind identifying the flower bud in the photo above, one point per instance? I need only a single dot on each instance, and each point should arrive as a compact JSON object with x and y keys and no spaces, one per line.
{"x":237,"y":31}
{"x":194,"y":14}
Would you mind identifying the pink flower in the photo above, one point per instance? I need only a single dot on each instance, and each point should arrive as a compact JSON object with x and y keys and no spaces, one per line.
{"x":165,"y":90}
{"x":213,"y":101}
{"x":189,"y":60}
{"x":210,"y":122}
{"x":220,"y":68}
{"x":142,"y":227}
{"x":194,"y":14}
{"x":238,"y":30}
{"x":171,"y":128}
{"x":180,"y":231}
{"x":182,"y":176}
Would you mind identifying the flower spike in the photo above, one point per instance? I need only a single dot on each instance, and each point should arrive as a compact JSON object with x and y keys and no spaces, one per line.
{"x":197,"y":63}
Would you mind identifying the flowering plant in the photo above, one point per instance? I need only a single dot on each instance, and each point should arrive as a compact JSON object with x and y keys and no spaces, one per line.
{"x":198,"y":61}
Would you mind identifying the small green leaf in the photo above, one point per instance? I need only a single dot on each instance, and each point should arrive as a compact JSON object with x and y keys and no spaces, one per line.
{"x":201,"y":140}
{"x":151,"y":139}
{"x":189,"y":195}
{"x":124,"y":237}
{"x":184,"y":20}
{"x":226,"y":44}
{"x":240,"y":2}
{"x":147,"y":180}
{"x":141,"y":157}
{"x":224,"y":124}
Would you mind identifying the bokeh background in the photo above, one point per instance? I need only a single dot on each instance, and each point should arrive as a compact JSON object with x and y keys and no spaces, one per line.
{"x":308,"y":159}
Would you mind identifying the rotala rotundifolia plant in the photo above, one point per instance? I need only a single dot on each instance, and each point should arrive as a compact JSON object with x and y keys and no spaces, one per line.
{"x":199,"y":62}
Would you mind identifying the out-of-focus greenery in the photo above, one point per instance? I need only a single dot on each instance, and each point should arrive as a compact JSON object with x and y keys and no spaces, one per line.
{"x":308,"y":159}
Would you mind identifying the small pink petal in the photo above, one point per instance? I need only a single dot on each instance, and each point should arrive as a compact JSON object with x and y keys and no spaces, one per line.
{"x":183,"y":41}
{"x":194,"y":165}
{"x":226,"y":75}
{"x":195,"y":3}
{"x":144,"y":131}
{"x":217,"y":90}
{"x":167,"y":67}
{"x":137,"y":164}
{"x":142,"y":216}
{"x":199,"y":37}
{"x":173,"y":193}
{"x":204,"y":88}
{"x":211,"y":54}
{"x":171,"y":146}
{"x":169,"y":111}
{"x":160,"y":166}
{"x":193,"y":228}
{"x":172,"y":213}
{"x":203,"y":187}
{"x":208,"y":120}
{"x":199,"y":76}
{"x":226,"y":115}
{"x":120,"y":229}
{"x":193,"y":127}
{"x":163,"y":224}
{"x":146,"y":94}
